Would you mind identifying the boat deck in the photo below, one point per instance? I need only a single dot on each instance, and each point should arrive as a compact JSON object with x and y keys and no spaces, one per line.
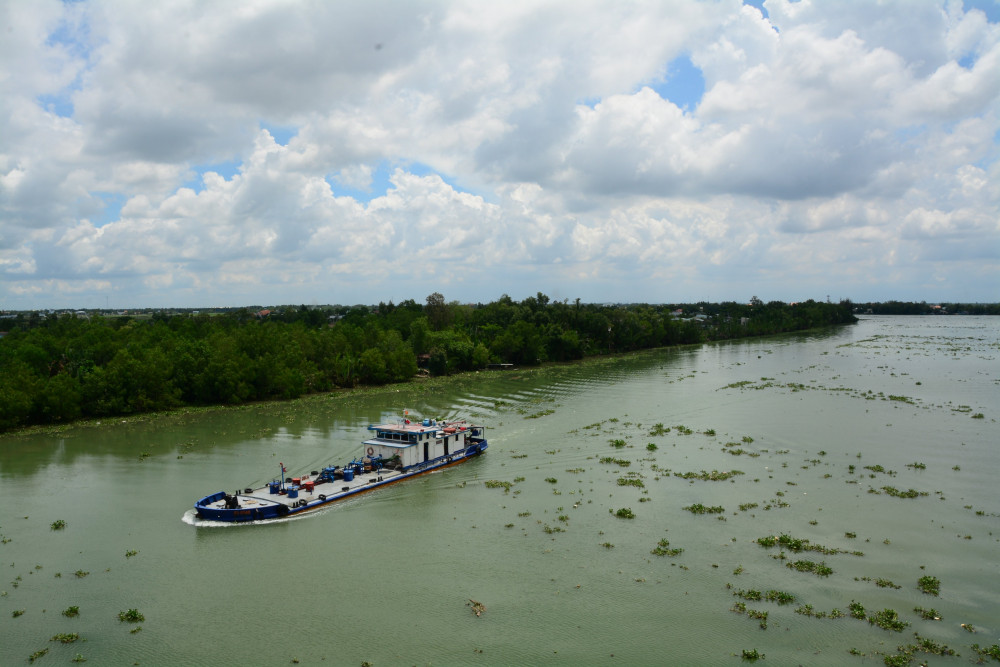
{"x":262,"y":497}
{"x":267,"y":502}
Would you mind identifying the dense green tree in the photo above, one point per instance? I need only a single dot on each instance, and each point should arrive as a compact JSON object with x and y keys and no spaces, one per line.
{"x":56,"y":369}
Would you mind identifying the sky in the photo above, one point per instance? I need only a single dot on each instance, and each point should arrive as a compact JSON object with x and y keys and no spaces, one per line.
{"x":228,"y":153}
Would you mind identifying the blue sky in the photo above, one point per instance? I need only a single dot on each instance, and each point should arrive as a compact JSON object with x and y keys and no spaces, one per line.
{"x":177,"y":154}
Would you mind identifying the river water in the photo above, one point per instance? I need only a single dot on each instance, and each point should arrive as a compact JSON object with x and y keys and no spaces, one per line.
{"x":826,"y":434}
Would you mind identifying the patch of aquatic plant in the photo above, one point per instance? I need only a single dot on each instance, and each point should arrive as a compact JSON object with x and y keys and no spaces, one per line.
{"x":901,"y":399}
{"x":617,"y":443}
{"x":928,"y":614}
{"x":739,"y":451}
{"x":909,"y":493}
{"x":917,"y":465}
{"x":739,"y":385}
{"x":552,"y":529}
{"x":751,"y":594}
{"x":624,"y":463}
{"x":714,"y":476}
{"x":819,"y":569}
{"x":929,"y":585}
{"x":37,"y":654}
{"x":810,"y":611}
{"x":630,"y":481}
{"x":878,"y":468}
{"x":651,"y":447}
{"x":747,"y":506}
{"x":131,"y":616}
{"x":607,"y":545}
{"x":988,"y":652}
{"x":58,"y":524}
{"x":741,"y":608}
{"x":857,"y":610}
{"x":543,"y":413}
{"x":551,"y":480}
{"x":659,"y":429}
{"x":78,"y":658}
{"x":518,"y":456}
{"x":979,"y":415}
{"x":897,"y":660}
{"x":663,"y":549}
{"x":761,"y":616}
{"x":925,"y":645}
{"x":81,"y":574}
{"x":887,"y":619}
{"x":17,"y":613}
{"x":66,"y":638}
{"x":797,"y":545}
{"x":498,"y":484}
{"x":779,"y":597}
{"x":698,"y":508}
{"x":881,"y":583}
{"x":709,"y":432}
{"x":71,"y":611}
{"x":131,"y":552}
{"x":624,"y":513}
{"x":752,"y":655}
{"x":683,"y":430}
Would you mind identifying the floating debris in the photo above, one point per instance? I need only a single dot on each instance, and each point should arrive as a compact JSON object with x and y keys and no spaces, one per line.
{"x":477,"y":607}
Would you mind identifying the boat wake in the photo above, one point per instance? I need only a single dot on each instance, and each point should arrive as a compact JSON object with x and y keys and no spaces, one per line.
{"x":191,"y":518}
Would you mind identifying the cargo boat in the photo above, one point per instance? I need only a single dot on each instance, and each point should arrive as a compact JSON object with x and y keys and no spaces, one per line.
{"x":395,"y":452}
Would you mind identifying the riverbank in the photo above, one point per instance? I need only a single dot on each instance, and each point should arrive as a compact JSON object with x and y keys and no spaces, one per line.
{"x":414,"y":387}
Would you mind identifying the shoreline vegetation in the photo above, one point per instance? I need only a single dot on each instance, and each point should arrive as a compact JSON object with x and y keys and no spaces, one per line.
{"x":62,"y":368}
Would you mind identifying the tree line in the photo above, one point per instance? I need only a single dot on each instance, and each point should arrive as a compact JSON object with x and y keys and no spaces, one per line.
{"x":924,"y":308}
{"x":60,"y":368}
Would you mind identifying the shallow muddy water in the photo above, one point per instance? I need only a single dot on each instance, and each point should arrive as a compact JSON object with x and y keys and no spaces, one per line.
{"x":825,"y":434}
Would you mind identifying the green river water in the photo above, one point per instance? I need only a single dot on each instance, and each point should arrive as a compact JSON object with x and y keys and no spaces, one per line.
{"x":386,"y":578}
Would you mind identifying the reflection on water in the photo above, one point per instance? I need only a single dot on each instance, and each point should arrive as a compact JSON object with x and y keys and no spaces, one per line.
{"x":821,"y":425}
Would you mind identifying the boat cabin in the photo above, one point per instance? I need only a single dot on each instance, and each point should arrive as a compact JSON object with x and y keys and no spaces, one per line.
{"x":418,"y":442}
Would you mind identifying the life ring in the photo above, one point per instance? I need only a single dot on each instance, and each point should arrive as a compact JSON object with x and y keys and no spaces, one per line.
{"x":322,"y":496}
{"x":371,"y":450}
{"x":282,"y":510}
{"x":303,"y":502}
